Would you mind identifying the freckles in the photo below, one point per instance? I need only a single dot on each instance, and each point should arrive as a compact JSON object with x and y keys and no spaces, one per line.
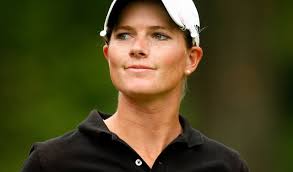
{"x":175,"y":58}
{"x":114,"y":57}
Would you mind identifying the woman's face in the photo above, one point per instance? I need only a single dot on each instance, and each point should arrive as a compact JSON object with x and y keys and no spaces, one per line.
{"x":147,"y":53}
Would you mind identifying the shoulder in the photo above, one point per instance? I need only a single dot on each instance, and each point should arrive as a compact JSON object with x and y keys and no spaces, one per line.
{"x":55,"y":151}
{"x":215,"y":146}
{"x":76,"y":140}
{"x":89,"y":139}
{"x":218,"y":151}
{"x":54,"y":145}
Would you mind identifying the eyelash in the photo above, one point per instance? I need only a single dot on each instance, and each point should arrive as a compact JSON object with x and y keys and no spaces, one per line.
{"x":121,"y":36}
{"x":156,"y":35}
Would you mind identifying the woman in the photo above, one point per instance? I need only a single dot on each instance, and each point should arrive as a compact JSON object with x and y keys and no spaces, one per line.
{"x":151,"y":47}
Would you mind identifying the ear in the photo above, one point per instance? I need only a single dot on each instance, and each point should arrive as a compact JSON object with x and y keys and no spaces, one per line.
{"x":194,"y":56}
{"x":105,"y":51}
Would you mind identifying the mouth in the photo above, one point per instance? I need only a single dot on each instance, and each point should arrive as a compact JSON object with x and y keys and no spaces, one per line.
{"x":139,"y":67}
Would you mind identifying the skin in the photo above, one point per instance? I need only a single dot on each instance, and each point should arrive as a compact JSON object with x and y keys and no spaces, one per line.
{"x":148,"y":61}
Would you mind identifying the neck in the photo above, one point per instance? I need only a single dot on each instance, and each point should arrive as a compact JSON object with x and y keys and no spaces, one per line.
{"x":148,"y":126}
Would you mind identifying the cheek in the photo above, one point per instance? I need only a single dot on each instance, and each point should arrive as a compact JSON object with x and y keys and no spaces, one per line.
{"x":114,"y":64}
{"x":176,"y":61}
{"x":114,"y":58}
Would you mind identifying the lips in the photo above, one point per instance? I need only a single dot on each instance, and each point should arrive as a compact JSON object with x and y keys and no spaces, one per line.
{"x":140,"y":67}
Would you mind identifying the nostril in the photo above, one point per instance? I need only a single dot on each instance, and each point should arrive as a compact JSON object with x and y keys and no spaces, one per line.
{"x":142,"y":53}
{"x":138,"y":53}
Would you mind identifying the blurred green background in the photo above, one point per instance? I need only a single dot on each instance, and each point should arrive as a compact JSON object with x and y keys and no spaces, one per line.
{"x":52,"y":73}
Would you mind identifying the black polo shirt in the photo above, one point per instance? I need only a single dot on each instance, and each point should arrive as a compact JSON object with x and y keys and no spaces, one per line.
{"x":93,"y":148}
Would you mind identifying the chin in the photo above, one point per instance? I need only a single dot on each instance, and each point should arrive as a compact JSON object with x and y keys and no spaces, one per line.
{"x":139,"y":90}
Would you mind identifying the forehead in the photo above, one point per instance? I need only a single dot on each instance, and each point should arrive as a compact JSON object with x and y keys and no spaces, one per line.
{"x":124,"y":11}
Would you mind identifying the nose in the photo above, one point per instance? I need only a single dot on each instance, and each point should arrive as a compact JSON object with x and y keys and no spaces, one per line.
{"x":140,"y":48}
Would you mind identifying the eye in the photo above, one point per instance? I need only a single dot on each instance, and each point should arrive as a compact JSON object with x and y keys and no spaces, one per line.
{"x":160,"y":36}
{"x":123,"y":36}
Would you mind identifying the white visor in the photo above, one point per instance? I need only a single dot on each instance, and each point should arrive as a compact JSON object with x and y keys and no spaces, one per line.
{"x":182,"y":12}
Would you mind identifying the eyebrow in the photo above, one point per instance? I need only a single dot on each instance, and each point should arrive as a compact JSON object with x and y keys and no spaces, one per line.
{"x":127,"y":27}
{"x":159,"y":27}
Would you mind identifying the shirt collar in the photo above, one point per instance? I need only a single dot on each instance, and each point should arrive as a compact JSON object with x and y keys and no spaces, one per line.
{"x":189,"y":135}
{"x":94,"y":126}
